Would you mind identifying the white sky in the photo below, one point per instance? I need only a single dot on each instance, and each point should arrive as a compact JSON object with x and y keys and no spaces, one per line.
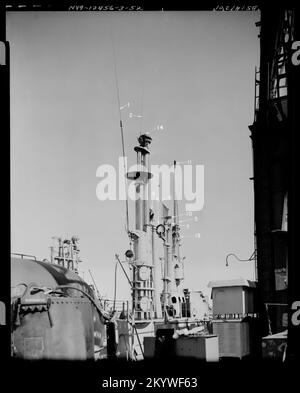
{"x":193,"y":72}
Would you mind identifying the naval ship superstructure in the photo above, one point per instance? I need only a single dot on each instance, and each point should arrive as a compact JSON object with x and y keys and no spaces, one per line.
{"x":57,"y":315}
{"x":151,"y":310}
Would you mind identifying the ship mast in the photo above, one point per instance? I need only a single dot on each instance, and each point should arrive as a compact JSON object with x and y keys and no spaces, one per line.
{"x":176,"y":240}
{"x":143,"y":264}
{"x":169,"y":232}
{"x":67,"y":253}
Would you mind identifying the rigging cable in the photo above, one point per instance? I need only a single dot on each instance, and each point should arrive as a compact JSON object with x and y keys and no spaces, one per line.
{"x":115,"y":287}
{"x":115,"y":283}
{"x":121,"y":128}
{"x":98,"y":293}
{"x":101,"y":311}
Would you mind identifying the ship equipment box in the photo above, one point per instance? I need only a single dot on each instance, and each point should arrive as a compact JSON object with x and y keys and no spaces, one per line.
{"x":234,"y":316}
{"x":234,"y":337}
{"x":231,"y":297}
{"x":198,"y":347}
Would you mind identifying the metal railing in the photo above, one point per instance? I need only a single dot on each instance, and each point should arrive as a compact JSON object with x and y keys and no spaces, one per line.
{"x":24,"y":255}
{"x":118,"y":305}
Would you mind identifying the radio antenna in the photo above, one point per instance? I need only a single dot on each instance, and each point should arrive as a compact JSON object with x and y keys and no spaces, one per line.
{"x":121,"y":128}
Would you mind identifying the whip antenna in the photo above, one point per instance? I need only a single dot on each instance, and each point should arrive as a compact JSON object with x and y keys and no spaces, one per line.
{"x":121,"y":129}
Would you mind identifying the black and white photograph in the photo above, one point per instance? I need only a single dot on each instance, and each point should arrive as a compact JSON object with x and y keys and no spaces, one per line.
{"x":152,"y":195}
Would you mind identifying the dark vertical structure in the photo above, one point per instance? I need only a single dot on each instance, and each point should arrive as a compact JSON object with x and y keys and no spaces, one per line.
{"x":5,"y":200}
{"x":294,"y":197}
{"x":274,"y":155}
